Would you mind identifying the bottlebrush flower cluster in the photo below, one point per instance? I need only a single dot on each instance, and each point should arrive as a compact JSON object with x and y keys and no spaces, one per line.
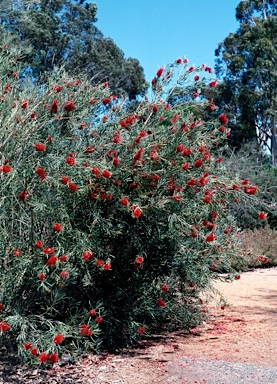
{"x":110,"y":228}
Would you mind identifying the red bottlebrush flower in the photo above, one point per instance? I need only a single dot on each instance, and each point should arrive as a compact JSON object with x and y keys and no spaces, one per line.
{"x":210,"y":237}
{"x":5,"y":168}
{"x":198,"y":163}
{"x":212,"y":84}
{"x":139,"y":260}
{"x":138,"y":154}
{"x":223,"y":118}
{"x":64,"y":275}
{"x":214,"y":214}
{"x":24,"y":104}
{"x":155,"y":108}
{"x":58,"y":88}
{"x":107,"y":174}
{"x":34,"y":352}
{"x":4,"y":327}
{"x":219,"y":160}
{"x":99,"y":319}
{"x":136,"y":213}
{"x":89,"y":149}
{"x":40,"y":147}
{"x":63,"y":258}
{"x":1,"y":306}
{"x":192,"y":284}
{"x":207,"y":200}
{"x":107,"y":266}
{"x":17,"y":252}
{"x":58,"y":339}
{"x":244,"y":182}
{"x":54,"y":106}
{"x":222,"y":307}
{"x":187,"y":152}
{"x":27,"y":346}
{"x":222,"y":129}
{"x":70,"y":161}
{"x":57,"y":227}
{"x":104,"y":118}
{"x":141,"y":330}
{"x":65,"y":179}
{"x":48,"y":250}
{"x":41,"y":173}
{"x":262,"y":215}
{"x":191,"y":182}
{"x":180,"y":148}
{"x":116,"y":161}
{"x":73,"y":187}
{"x":53,"y":358}
{"x":142,"y":134}
{"x":106,"y":101}
{"x":38,"y":244}
{"x":159,"y":72}
{"x":195,"y":94}
{"x":123,"y":123}
{"x":99,"y":263}
{"x":165,"y":287}
{"x":124,"y":201}
{"x":237,"y":277}
{"x":69,"y":106}
{"x":85,"y":331}
{"x":82,"y":126}
{"x":43,"y":357}
{"x":96,"y":172}
{"x":263,"y":259}
{"x":179,"y":61}
{"x":190,"y":69}
{"x":196,"y":78}
{"x":41,"y":276}
{"x":251,"y":189}
{"x":86,"y":255}
{"x":33,"y":115}
{"x":51,"y":261}
{"x":208,"y":69}
{"x":228,"y":230}
{"x":202,"y":181}
{"x":235,"y":187}
{"x":185,"y":166}
{"x":92,"y":312}
{"x":161,"y":303}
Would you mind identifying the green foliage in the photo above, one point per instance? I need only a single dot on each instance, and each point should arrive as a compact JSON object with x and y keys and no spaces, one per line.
{"x":63,"y":33}
{"x":247,"y":65}
{"x":111,"y":223}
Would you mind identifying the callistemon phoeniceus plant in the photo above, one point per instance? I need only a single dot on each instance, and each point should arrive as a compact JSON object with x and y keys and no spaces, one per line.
{"x":112,"y":222}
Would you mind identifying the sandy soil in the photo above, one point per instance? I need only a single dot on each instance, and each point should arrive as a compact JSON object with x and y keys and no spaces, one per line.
{"x":245,"y":331}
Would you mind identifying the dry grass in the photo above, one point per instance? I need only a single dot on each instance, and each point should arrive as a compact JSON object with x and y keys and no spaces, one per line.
{"x":259,"y":247}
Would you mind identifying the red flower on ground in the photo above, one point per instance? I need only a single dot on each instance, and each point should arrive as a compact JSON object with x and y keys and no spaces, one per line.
{"x":58,"y":339}
{"x":161,"y":303}
{"x":57,"y":227}
{"x":40,"y":147}
{"x":51,"y":261}
{"x":263,"y":259}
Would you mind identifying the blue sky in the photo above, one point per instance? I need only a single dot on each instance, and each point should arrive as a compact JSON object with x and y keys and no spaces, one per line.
{"x":157,"y":32}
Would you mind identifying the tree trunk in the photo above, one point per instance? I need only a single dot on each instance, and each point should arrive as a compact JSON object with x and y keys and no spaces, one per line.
{"x":274,"y":143}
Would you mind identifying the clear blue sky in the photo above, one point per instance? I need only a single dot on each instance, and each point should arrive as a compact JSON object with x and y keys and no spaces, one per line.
{"x":157,"y":32}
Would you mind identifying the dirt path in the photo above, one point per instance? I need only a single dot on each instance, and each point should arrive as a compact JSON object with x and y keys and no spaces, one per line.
{"x":237,"y":345}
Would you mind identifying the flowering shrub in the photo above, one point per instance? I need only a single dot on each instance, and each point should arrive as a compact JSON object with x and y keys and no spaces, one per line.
{"x":110,"y":227}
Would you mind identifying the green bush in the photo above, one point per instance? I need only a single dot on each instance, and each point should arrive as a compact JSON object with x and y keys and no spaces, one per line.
{"x":111,"y":223}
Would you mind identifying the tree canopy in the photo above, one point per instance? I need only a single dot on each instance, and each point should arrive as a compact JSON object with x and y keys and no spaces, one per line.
{"x":247,"y":64}
{"x":63,"y":33}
